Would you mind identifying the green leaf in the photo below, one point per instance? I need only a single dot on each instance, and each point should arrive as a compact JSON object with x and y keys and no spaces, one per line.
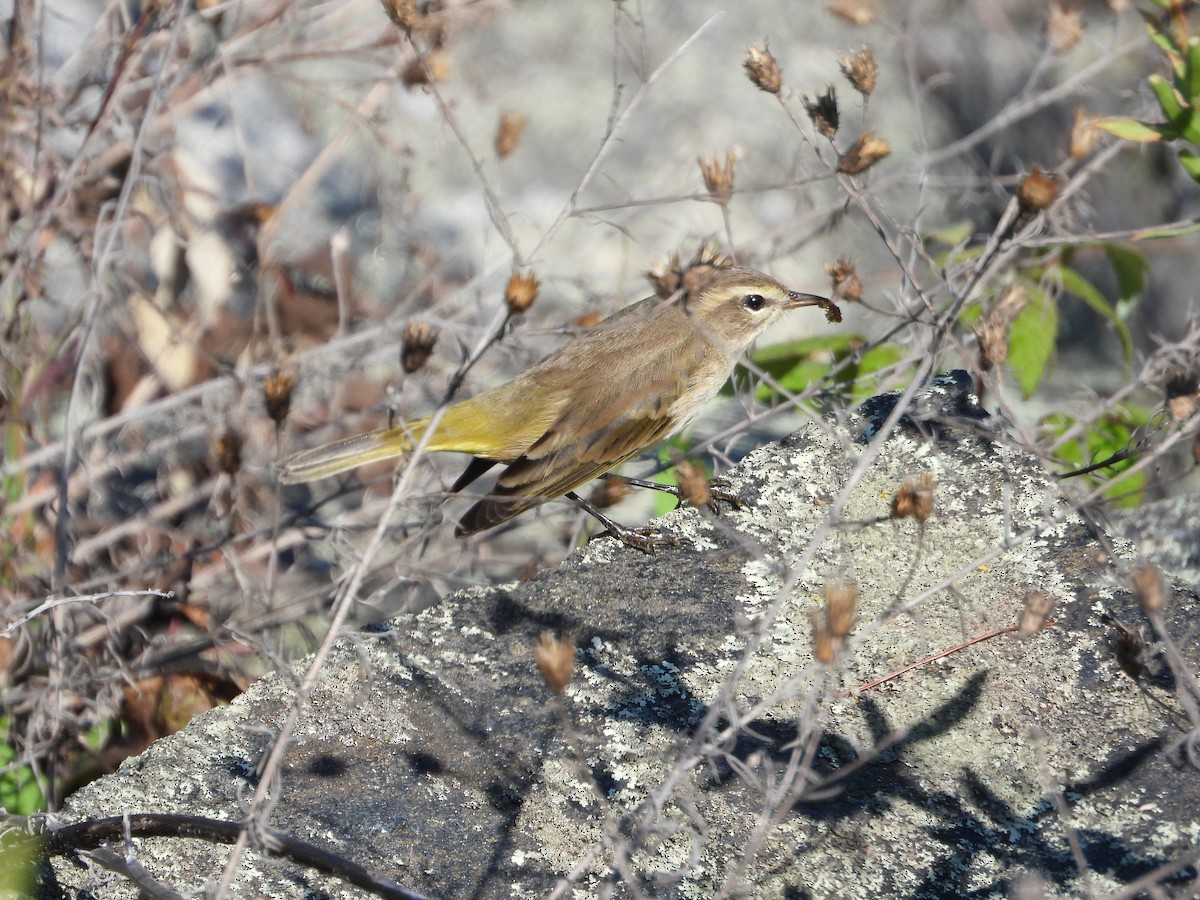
{"x":1189,"y":82}
{"x":1169,"y":231}
{"x":1128,"y":129}
{"x":1162,"y":39}
{"x":874,"y":360}
{"x":1176,"y":108}
{"x":798,"y":364}
{"x":1075,"y":284}
{"x":952,"y":235}
{"x":1031,"y":341}
{"x":1191,"y":163}
{"x":1130,"y":268}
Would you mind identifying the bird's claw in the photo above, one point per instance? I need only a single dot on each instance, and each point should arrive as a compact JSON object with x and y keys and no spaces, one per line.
{"x":717,"y":496}
{"x":646,"y":539}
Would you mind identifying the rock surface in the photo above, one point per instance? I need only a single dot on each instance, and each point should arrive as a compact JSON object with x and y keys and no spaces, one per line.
{"x":433,"y":753}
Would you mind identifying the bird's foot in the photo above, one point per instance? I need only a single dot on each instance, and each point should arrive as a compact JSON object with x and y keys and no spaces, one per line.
{"x":647,"y":539}
{"x":718,"y":495}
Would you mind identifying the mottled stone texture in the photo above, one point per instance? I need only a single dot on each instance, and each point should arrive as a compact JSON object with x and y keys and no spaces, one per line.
{"x":434,"y":754}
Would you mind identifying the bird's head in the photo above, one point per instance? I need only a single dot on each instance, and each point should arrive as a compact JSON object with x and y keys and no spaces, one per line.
{"x":738,"y":304}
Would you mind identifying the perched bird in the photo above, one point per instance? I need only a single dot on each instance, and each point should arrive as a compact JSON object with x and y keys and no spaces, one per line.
{"x":622,"y":387}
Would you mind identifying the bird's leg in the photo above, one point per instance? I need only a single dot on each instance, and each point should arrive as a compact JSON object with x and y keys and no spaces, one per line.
{"x":644,"y":539}
{"x":716,"y":496}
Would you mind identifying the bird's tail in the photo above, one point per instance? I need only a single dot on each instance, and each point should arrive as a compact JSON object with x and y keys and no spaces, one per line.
{"x":386,"y":443}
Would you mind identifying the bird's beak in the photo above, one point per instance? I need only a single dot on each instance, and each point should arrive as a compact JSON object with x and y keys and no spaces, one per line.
{"x":797,"y":300}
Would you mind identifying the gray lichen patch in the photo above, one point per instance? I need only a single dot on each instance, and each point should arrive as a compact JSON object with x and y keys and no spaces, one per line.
{"x":437,"y":754}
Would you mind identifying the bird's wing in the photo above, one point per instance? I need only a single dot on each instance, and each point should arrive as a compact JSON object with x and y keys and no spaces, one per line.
{"x":575,"y":450}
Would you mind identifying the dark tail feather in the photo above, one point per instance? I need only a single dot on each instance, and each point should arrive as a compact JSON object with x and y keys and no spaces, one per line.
{"x":475,"y":469}
{"x":492,"y":511}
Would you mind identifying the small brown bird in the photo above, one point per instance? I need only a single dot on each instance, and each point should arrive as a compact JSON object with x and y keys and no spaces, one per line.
{"x":602,"y":398}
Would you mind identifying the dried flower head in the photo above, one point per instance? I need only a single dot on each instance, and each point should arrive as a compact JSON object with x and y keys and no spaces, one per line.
{"x":229,"y":452}
{"x":762,"y":69}
{"x":863,"y":153}
{"x":520,"y":292}
{"x":860,"y":69}
{"x":555,"y":658}
{"x":915,"y":498}
{"x":434,"y":68}
{"x":419,"y":340}
{"x":991,"y":333}
{"x":841,"y":597}
{"x":277,"y":394}
{"x":825,"y":645}
{"x":1084,"y":134}
{"x":856,"y":12}
{"x":1038,"y":190}
{"x":1064,"y":27}
{"x":1182,"y":395}
{"x":508,"y":132}
{"x":672,"y":276}
{"x":823,"y":112}
{"x":403,"y":12}
{"x":718,"y":176}
{"x":1037,"y":607}
{"x":1148,"y":588}
{"x":846,"y":284}
{"x":693,"y":482}
{"x":666,"y":276}
{"x":609,"y":492}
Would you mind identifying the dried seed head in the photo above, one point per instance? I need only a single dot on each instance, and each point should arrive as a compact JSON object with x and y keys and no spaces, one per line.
{"x":846,"y":285}
{"x":1064,"y":27}
{"x":555,"y":658}
{"x":823,"y":112}
{"x":693,"y":483}
{"x":1148,"y":588}
{"x":860,"y":69}
{"x":864,"y":153}
{"x":991,"y":333}
{"x":1182,"y":395}
{"x":1012,"y":301}
{"x":825,"y":645}
{"x":433,"y":69}
{"x":666,"y":277}
{"x":762,"y":69}
{"x":703,"y":267}
{"x":1084,"y":134}
{"x":1037,"y":608}
{"x":229,"y":452}
{"x":1038,"y":190}
{"x":915,"y":498}
{"x":520,"y":293}
{"x":403,"y":12}
{"x":718,"y":177}
{"x":841,"y":596}
{"x":277,"y":394}
{"x":419,"y":340}
{"x":856,"y":12}
{"x":508,"y":132}
{"x":672,"y":276}
{"x":609,"y":492}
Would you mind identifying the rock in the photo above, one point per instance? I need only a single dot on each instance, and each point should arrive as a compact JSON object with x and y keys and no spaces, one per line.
{"x":699,"y":746}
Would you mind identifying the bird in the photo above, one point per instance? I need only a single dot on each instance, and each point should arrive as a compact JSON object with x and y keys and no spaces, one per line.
{"x":610,"y":393}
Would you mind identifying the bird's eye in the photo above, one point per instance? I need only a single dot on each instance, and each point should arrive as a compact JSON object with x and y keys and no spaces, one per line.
{"x":754,"y":302}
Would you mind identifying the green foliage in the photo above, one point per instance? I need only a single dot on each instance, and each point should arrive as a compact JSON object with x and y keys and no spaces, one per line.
{"x":1114,"y":435}
{"x":19,"y":791}
{"x":1178,"y":98}
{"x":1032,"y":337}
{"x":847,"y":359}
{"x":19,"y":854}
